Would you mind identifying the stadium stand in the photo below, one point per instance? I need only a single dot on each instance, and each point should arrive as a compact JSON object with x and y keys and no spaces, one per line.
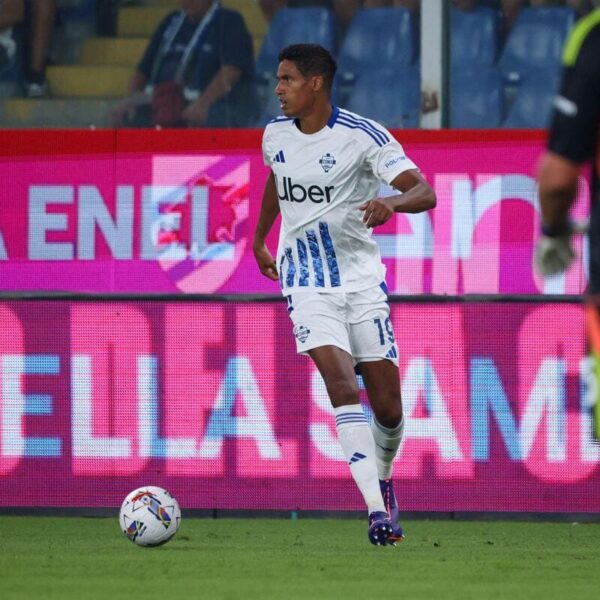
{"x":93,"y":72}
{"x":474,"y":37}
{"x":533,"y":103}
{"x":476,"y":98}
{"x":530,"y":62}
{"x":535,"y":41}
{"x":490,"y":87}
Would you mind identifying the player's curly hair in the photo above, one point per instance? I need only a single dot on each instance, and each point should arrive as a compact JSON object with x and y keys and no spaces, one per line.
{"x":311,"y":59}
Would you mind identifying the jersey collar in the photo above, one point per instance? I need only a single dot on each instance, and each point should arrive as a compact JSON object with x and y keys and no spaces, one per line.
{"x":333,"y":117}
{"x":330,"y":122}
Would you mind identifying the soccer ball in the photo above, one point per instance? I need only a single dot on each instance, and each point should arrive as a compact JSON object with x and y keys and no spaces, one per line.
{"x":149,"y":516}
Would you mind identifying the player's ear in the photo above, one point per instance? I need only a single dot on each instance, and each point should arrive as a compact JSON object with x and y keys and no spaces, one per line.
{"x":318,"y":83}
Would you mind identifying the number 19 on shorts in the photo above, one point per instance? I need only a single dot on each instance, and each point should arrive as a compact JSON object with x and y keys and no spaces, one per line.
{"x":385,"y":331}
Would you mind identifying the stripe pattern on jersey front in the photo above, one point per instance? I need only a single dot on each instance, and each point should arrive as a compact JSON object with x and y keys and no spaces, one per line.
{"x":322,"y":252}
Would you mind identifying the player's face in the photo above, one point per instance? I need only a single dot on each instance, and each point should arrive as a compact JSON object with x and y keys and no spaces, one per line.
{"x":296,"y":93}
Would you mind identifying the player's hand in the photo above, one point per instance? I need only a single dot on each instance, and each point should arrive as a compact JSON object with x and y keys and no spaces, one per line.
{"x":376,"y":212}
{"x":265,"y":262}
{"x":196,"y":113}
{"x":553,"y":255}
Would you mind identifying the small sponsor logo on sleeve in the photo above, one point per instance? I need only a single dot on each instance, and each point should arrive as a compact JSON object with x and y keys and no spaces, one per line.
{"x":393,"y":161}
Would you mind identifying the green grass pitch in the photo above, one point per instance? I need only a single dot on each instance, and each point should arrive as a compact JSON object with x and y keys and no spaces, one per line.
{"x":89,"y":558}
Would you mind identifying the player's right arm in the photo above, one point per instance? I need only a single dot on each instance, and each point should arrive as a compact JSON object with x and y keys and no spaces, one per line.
{"x":268,"y":213}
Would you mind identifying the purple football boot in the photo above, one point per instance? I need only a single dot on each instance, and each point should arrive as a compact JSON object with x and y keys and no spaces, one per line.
{"x":380,"y":528}
{"x":389,"y":499}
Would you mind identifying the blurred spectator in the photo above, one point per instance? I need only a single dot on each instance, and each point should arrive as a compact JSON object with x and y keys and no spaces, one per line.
{"x":465,"y":4}
{"x":581,"y":7}
{"x":509,"y":9}
{"x":344,"y":12}
{"x":198,"y":70}
{"x":328,"y":4}
{"x":107,"y":13}
{"x":270,"y":7}
{"x":412,"y":5}
{"x":39,"y":18}
{"x":11,"y":14}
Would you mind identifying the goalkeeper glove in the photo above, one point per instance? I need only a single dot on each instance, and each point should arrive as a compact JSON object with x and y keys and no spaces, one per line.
{"x":554,"y":252}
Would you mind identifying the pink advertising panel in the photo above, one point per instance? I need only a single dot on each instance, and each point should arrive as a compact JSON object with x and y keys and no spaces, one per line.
{"x":210,"y":400}
{"x":174,"y":212}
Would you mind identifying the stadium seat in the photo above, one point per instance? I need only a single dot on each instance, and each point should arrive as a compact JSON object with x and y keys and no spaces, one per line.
{"x":533,"y":103}
{"x":535,"y":41}
{"x":390,"y":96}
{"x":474,"y":37}
{"x":377,"y":38}
{"x":476,"y":99}
{"x":292,"y":26}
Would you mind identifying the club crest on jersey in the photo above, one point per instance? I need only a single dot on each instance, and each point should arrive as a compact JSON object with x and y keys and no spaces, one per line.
{"x":301,"y":333}
{"x":327,"y":161}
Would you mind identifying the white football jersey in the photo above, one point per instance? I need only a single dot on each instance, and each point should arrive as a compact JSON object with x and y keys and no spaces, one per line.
{"x":322,"y":179}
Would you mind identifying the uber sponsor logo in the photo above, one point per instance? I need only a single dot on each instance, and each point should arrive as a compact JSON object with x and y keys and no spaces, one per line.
{"x":295,"y":192}
{"x":393,"y":161}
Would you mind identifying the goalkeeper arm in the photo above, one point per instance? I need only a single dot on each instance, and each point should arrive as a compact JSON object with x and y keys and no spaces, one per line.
{"x":557,"y":178}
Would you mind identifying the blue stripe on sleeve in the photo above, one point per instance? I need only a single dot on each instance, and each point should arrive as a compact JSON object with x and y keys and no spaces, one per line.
{"x":355,"y":126}
{"x":367,"y":124}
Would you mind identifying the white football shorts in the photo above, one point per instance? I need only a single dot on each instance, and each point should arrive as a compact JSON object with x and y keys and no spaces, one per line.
{"x":357,"y":322}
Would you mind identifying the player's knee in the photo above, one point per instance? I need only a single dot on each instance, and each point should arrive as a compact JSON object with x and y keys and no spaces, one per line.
{"x":390,"y":416}
{"x":343,"y":392}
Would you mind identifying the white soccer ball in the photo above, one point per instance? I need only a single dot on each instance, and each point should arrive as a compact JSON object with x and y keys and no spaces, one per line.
{"x":149,"y":516}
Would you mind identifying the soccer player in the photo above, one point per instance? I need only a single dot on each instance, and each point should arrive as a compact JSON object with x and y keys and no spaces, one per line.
{"x":326,"y":168}
{"x":574,"y":140}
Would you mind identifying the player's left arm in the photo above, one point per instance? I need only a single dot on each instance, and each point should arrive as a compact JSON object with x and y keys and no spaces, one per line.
{"x":417,"y":196}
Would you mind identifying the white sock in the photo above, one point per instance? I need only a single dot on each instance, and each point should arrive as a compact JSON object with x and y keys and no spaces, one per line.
{"x":359,"y":449}
{"x":387,"y":442}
